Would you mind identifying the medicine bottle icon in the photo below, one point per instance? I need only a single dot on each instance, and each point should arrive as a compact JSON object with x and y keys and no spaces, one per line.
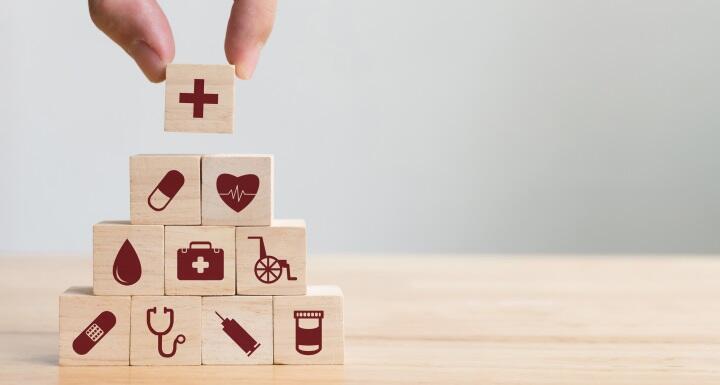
{"x":308,"y":331}
{"x":166,"y":190}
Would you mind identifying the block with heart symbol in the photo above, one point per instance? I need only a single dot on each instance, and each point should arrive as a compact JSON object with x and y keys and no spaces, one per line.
{"x":237,"y":190}
{"x":200,"y":98}
{"x":199,"y":260}
{"x":165,"y":189}
{"x":128,"y":259}
{"x":271,"y":259}
{"x":94,"y":330}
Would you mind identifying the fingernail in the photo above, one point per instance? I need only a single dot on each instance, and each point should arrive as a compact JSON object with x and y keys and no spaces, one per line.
{"x":148,"y":60}
{"x":246,"y":67}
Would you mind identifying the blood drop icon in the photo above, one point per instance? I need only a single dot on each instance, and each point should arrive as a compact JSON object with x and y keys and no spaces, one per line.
{"x":126,"y":268}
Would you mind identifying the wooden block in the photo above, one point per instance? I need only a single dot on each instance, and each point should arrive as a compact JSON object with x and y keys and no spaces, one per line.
{"x":128,"y":259}
{"x":309,"y":329}
{"x":199,"y":260}
{"x":94,"y":330}
{"x":237,"y":190}
{"x":285,"y":253}
{"x":200,"y":98}
{"x":177,"y":317}
{"x":165,"y":189}
{"x":244,"y":334}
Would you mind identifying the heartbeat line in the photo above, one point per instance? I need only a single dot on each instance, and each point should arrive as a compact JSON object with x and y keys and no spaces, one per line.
{"x":237,"y":194}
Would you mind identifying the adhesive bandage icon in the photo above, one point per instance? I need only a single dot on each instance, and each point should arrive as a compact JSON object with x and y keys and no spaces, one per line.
{"x":94,"y":332}
{"x":165,"y":191}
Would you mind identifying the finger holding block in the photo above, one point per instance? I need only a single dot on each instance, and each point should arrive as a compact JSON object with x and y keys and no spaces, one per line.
{"x":94,"y":330}
{"x":308,"y":329}
{"x":166,"y":330}
{"x":237,"y":330}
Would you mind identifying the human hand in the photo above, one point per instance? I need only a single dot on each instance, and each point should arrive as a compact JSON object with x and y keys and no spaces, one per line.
{"x":142,"y":30}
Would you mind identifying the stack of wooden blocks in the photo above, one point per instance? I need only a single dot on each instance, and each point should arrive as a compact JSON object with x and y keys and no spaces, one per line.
{"x":202,"y":273}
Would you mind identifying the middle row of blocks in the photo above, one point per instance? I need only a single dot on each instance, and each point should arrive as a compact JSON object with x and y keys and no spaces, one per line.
{"x":199,"y":260}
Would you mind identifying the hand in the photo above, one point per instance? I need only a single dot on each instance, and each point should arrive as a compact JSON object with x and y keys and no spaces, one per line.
{"x":142,"y":30}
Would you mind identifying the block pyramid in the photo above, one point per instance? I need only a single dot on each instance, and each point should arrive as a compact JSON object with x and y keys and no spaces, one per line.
{"x":202,"y":273}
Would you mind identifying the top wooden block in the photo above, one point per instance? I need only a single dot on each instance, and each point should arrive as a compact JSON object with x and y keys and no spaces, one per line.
{"x":200,"y":98}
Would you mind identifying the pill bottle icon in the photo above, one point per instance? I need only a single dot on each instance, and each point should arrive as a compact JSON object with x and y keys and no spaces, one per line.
{"x":166,"y":190}
{"x":308,"y":331}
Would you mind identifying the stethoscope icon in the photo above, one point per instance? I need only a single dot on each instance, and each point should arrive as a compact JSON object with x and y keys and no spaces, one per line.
{"x":178,"y":340}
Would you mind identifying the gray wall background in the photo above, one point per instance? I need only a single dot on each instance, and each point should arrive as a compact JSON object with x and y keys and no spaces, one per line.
{"x":398,"y":126}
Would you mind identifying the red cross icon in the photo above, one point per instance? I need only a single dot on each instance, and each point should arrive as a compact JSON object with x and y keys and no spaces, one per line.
{"x":198,"y":98}
{"x":200,"y":265}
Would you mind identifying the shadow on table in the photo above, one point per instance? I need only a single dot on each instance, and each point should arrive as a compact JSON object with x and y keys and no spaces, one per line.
{"x":206,"y":375}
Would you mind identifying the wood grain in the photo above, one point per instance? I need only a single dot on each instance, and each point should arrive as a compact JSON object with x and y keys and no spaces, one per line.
{"x":148,"y":243}
{"x":253,"y":314}
{"x":146,"y":171}
{"x":285,"y":239}
{"x":144,"y":344}
{"x":436,"y":319}
{"x":217,"y":118}
{"x":214,"y":210}
{"x":321,"y":310}
{"x":78,"y":309}
{"x":179,"y":237}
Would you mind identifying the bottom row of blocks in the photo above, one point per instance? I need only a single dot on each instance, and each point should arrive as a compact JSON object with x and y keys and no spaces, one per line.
{"x":193,"y":330}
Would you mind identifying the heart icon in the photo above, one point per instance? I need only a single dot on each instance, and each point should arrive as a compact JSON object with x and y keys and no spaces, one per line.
{"x":237,"y":191}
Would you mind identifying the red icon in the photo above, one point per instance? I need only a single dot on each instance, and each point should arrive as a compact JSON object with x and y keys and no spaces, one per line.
{"x":168,"y":187}
{"x":269,"y":269}
{"x":308,"y":331}
{"x":198,"y":98}
{"x":241,"y":337}
{"x":200,"y":263}
{"x":126,"y":268}
{"x":93,"y":333}
{"x":237,"y":191}
{"x":180,"y":339}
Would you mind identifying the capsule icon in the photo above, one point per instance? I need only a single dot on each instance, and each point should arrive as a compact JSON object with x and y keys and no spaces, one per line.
{"x":166,"y":190}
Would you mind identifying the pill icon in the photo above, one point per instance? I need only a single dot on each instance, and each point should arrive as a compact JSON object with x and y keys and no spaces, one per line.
{"x":166,"y":190}
{"x":94,"y":332}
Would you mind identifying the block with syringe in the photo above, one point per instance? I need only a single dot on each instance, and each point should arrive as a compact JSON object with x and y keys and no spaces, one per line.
{"x":201,"y":273}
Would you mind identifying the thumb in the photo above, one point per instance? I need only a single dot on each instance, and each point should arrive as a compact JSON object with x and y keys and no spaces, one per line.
{"x":250,"y":24}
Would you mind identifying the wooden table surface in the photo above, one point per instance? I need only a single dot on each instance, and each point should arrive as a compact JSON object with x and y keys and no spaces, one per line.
{"x":436,"y":320}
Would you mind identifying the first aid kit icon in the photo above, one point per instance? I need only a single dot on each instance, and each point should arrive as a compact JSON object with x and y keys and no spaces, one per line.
{"x":200,"y":262}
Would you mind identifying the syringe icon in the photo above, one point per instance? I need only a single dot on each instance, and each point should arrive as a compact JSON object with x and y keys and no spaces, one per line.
{"x":239,"y":335}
